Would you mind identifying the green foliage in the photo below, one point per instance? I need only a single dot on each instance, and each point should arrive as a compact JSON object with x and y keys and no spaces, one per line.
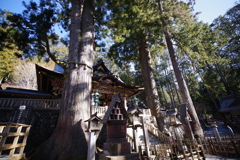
{"x":221,"y":74}
{"x":128,"y":76}
{"x":166,"y":82}
{"x":9,"y":51}
{"x":36,"y":25}
{"x":60,"y":51}
{"x":228,"y":25}
{"x":127,"y":22}
{"x":8,"y":61}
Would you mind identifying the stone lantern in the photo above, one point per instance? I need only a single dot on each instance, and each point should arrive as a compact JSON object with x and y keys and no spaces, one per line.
{"x":215,"y":130}
{"x":93,"y":123}
{"x":135,"y":101}
{"x":117,"y":146}
{"x":172,"y":115}
{"x":134,"y":117}
{"x":173,"y":120}
{"x":133,"y":114}
{"x":94,"y":126}
{"x":95,"y":100}
{"x":96,"y":96}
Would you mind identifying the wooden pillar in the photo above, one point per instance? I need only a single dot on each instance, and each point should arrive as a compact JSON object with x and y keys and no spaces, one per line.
{"x":91,"y":145}
{"x":135,"y":136}
{"x":135,"y":139}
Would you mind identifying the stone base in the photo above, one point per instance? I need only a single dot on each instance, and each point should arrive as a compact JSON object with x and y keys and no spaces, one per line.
{"x":113,"y":149}
{"x":131,"y":156}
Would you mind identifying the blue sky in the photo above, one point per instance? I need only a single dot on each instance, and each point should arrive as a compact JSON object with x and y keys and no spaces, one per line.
{"x":12,"y":5}
{"x":210,"y":9}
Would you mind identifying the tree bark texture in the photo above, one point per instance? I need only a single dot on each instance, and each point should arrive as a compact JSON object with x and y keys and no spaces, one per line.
{"x":69,"y":140}
{"x":164,"y":97}
{"x":168,"y":85}
{"x":223,"y":79}
{"x":182,"y":86}
{"x":181,"y":82}
{"x":152,"y":97}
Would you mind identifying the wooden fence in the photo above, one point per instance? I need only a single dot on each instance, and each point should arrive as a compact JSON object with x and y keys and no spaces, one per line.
{"x":185,"y":149}
{"x":35,"y":103}
{"x":229,"y":146}
{"x":13,"y":138}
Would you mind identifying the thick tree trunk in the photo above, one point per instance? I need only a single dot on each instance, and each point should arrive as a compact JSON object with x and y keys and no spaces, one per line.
{"x":223,"y":79}
{"x":168,"y":84}
{"x":164,"y":97}
{"x":183,"y":87}
{"x":152,"y":98}
{"x":176,"y":90}
{"x":181,"y":82}
{"x":69,"y":140}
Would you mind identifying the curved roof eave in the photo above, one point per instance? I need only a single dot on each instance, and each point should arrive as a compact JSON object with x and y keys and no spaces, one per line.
{"x":116,"y":81}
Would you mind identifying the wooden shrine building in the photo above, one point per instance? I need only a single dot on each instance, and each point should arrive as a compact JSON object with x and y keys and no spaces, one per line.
{"x":104,"y":82}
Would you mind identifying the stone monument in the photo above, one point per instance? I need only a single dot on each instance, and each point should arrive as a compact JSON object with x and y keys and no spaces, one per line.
{"x":117,"y":147}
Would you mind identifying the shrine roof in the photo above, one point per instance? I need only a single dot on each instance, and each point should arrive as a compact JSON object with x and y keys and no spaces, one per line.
{"x":23,"y":93}
{"x":230,"y":103}
{"x":114,"y":81}
{"x":100,"y":66}
{"x":47,"y":71}
{"x":92,"y":117}
{"x":101,"y":74}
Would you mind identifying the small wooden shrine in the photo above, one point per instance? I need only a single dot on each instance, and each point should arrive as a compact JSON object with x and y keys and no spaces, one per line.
{"x":104,"y":82}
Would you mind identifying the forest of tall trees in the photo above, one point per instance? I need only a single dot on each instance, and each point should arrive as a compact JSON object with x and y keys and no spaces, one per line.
{"x":158,"y":44}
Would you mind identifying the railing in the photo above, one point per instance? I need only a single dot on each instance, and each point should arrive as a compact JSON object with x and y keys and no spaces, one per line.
{"x":161,"y":136}
{"x":35,"y":103}
{"x":17,"y":134}
{"x":100,"y":110}
{"x":146,"y":112}
{"x":131,"y":141}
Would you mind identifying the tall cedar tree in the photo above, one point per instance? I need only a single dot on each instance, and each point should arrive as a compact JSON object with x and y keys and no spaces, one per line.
{"x":181,"y":82}
{"x":69,"y":140}
{"x":131,"y":26}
